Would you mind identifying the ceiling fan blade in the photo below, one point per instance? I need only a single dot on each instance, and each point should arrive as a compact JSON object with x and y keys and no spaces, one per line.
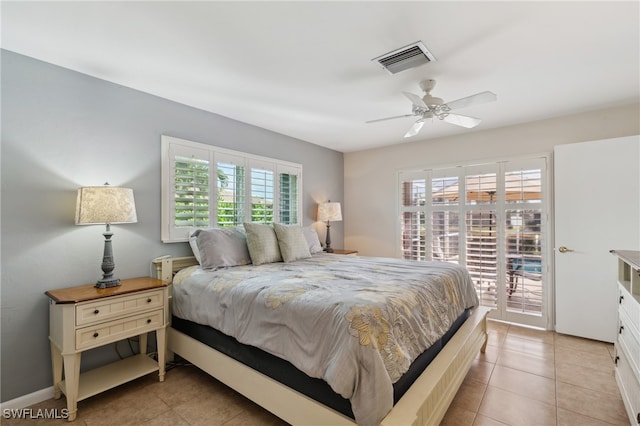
{"x":415,"y":128}
{"x":461,"y":120}
{"x":415,"y":100}
{"x":390,"y":118}
{"x":478,"y":98}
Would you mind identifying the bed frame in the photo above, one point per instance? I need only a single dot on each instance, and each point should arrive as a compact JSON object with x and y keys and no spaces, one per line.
{"x":425,"y":403}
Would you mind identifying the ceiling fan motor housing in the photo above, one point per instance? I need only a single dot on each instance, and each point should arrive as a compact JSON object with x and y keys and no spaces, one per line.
{"x":432,"y":100}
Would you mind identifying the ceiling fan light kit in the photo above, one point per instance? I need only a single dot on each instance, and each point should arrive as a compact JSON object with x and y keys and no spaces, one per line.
{"x":430,"y":106}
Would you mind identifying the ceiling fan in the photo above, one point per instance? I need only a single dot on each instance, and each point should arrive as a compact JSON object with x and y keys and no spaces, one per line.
{"x":431,"y":107}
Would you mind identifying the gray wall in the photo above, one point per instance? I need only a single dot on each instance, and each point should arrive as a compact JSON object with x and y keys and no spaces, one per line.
{"x":62,"y":130}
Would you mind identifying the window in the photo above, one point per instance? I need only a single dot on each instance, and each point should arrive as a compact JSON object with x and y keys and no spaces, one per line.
{"x":289,"y":185}
{"x":491,"y":218}
{"x":230,"y":193}
{"x":262,"y":195}
{"x":191,"y":192}
{"x":205,"y":186}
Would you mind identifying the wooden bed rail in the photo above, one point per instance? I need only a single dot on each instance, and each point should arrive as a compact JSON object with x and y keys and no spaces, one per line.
{"x":167,"y":267}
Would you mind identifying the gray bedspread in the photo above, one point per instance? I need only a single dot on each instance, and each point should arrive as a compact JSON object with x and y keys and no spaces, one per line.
{"x":356,"y":322}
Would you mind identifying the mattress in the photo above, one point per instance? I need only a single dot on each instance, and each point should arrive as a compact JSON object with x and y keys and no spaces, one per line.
{"x":356,"y":323}
{"x":285,"y":373}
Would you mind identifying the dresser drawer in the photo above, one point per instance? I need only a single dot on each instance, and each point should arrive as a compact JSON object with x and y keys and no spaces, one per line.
{"x":628,"y":384}
{"x":92,"y":312}
{"x":629,"y":343}
{"x":629,"y":306}
{"x":112,"y":331}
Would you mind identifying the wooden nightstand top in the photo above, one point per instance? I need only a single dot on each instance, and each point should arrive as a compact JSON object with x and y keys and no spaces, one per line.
{"x":344,"y":251}
{"x":90,"y":292}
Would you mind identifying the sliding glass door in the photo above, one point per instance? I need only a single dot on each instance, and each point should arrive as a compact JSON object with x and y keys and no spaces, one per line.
{"x":491,"y":218}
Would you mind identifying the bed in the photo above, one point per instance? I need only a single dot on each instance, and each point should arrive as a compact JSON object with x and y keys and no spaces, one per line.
{"x":248,"y":302}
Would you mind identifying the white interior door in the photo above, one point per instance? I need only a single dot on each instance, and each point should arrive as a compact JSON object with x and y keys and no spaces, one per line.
{"x":597,"y":209}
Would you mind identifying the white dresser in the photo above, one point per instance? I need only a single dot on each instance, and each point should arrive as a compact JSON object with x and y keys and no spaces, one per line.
{"x":627,"y":343}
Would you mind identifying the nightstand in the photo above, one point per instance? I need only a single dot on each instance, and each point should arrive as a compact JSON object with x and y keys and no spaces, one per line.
{"x":85,"y":317}
{"x":345,"y":252}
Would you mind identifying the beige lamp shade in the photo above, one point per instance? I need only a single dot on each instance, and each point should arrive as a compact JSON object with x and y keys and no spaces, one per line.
{"x":105,"y":205}
{"x":329,"y":212}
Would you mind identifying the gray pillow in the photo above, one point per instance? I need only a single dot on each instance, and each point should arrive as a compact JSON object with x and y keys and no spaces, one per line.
{"x":193,"y":242}
{"x":293,"y":245}
{"x":262,"y":243}
{"x":222,"y":247}
{"x":313,"y":241}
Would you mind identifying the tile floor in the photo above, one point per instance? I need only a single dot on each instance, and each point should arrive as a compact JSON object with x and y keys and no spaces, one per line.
{"x":526,"y":377}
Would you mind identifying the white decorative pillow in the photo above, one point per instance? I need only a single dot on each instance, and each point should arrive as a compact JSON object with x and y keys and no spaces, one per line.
{"x":313,"y":242}
{"x":262,"y":243}
{"x":222,"y":247}
{"x":293,"y":245}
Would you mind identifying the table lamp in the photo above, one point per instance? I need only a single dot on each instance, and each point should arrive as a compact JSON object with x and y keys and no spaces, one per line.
{"x":329,"y":212}
{"x":105,"y":205}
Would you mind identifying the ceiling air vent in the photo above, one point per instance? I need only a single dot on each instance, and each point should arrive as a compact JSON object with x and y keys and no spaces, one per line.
{"x":410,"y":56}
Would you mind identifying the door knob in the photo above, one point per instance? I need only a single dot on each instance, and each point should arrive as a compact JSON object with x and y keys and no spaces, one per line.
{"x":563,"y":249}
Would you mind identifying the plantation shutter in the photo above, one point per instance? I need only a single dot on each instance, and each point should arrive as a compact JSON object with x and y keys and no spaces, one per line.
{"x":191,"y":193}
{"x":525,"y":235}
{"x":480,"y":201}
{"x":289,"y":199}
{"x":190,"y":183}
{"x":262,"y":192}
{"x":412,"y":216}
{"x":231,"y":190}
{"x":445,"y":215}
{"x":204,"y":186}
{"x":490,"y":218}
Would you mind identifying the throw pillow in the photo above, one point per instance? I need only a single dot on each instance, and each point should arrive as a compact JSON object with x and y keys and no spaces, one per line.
{"x":262,"y":243}
{"x":293,"y":245}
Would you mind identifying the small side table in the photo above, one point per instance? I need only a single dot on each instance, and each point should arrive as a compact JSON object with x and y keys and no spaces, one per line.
{"x":85,"y":317}
{"x":345,"y":252}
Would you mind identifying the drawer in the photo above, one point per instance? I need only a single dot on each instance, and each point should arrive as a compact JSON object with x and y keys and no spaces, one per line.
{"x":629,"y":386}
{"x":114,"y":307}
{"x":112,"y":331}
{"x":629,"y":306}
{"x":629,"y":343}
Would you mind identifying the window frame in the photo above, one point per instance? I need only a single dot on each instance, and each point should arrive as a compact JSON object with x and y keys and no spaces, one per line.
{"x":172,"y":146}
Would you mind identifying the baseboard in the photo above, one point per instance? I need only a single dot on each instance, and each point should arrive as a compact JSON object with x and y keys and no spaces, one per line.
{"x":25,"y":401}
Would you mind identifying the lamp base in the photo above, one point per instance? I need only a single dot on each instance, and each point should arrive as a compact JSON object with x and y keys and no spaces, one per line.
{"x":108,"y":265}
{"x":113,"y":282}
{"x":327,"y":243}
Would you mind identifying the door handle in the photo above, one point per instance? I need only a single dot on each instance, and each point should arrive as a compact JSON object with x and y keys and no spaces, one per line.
{"x":563,"y":249}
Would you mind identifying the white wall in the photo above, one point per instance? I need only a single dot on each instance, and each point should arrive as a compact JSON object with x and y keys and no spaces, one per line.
{"x":370,"y":204}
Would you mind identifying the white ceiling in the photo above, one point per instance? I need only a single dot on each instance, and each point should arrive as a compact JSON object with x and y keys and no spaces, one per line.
{"x":304,"y":69}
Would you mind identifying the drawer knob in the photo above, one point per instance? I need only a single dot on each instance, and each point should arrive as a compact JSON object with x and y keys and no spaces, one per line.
{"x":615,"y":361}
{"x":149,"y":300}
{"x":95,"y":334}
{"x":149,"y":321}
{"x":621,"y":299}
{"x":621,"y":329}
{"x":97,"y":311}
